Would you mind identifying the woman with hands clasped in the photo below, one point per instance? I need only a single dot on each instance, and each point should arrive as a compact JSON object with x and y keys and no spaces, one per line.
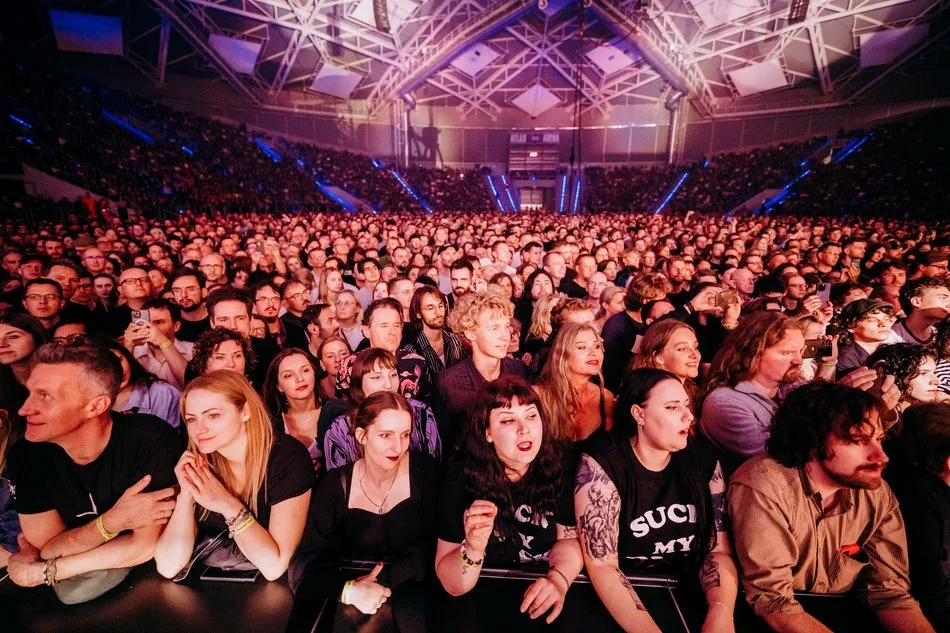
{"x":382,"y":507}
{"x":241,"y":484}
{"x":507,"y":500}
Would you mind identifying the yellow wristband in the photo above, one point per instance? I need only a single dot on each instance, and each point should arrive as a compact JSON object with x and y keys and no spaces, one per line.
{"x":345,"y":596}
{"x":106,"y":534}
{"x":165,"y":345}
{"x":243,"y":526}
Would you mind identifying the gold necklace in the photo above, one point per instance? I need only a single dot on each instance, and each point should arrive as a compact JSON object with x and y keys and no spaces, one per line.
{"x":379,"y":506}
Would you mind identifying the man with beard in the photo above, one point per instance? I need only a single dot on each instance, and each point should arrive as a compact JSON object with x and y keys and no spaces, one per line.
{"x":440,"y":347}
{"x":320,"y":323}
{"x":189,"y":292}
{"x":267,"y":306}
{"x":757,"y":364}
{"x":815,"y":515}
{"x":296,"y":299}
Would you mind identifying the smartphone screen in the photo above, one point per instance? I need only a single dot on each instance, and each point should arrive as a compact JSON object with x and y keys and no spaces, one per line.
{"x":222,"y":575}
{"x":823,"y":290}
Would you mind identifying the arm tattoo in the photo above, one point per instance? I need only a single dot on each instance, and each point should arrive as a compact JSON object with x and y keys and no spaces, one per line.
{"x":630,"y":590}
{"x":600,"y":522}
{"x":570,"y":531}
{"x":717,"y":474}
{"x":718,"y":512}
{"x":709,"y":574}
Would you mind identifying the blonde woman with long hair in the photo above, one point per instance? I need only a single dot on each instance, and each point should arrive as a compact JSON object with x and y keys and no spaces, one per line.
{"x":571,"y":384}
{"x":240,"y":483}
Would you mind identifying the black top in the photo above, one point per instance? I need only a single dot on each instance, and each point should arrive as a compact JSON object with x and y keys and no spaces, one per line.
{"x":537,"y":531}
{"x":455,"y":395}
{"x":402,"y":537}
{"x":117,"y":320}
{"x":45,"y":478}
{"x":289,"y":475}
{"x":925,"y":505}
{"x":661,"y":513}
{"x":619,"y":334}
{"x":191,"y":330}
{"x":296,"y":331}
{"x":572,"y":289}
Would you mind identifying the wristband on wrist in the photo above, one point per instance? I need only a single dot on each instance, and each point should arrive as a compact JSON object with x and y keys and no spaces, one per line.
{"x":567,"y":583}
{"x":242,"y":526}
{"x":729,"y":326}
{"x":468,"y":562}
{"x":165,"y":345}
{"x":347,"y":589}
{"x":49,"y":571}
{"x":720,"y":604}
{"x":106,"y":534}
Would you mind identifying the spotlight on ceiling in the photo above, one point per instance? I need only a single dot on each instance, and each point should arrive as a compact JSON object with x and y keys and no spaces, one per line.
{"x":797,"y":11}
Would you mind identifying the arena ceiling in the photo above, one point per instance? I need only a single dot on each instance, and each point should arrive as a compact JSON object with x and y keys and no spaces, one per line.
{"x":481,"y":56}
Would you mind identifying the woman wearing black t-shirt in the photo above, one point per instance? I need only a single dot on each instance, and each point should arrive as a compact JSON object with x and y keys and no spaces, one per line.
{"x":381,"y":507}
{"x":649,"y":498}
{"x":507,"y":499}
{"x":241,"y":483}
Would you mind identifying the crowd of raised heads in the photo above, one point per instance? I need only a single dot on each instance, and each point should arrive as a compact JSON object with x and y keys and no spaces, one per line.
{"x":755,"y":405}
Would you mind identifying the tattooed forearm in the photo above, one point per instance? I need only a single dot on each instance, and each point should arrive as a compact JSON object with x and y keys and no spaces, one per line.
{"x":709,"y":574}
{"x":717,"y":475}
{"x":600,"y":522}
{"x":719,"y":512}
{"x":570,"y":531}
{"x":633,"y":593}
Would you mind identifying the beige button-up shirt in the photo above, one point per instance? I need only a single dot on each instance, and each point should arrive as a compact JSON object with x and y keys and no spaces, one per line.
{"x":786,"y":542}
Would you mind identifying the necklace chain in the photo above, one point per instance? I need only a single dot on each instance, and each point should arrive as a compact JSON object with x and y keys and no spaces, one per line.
{"x":379,"y":506}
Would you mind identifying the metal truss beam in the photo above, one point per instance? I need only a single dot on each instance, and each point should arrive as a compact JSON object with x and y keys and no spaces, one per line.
{"x":198,"y":40}
{"x":819,"y":52}
{"x":559,"y":62}
{"x":341,"y":32}
{"x":163,"y":40}
{"x":425,"y":62}
{"x":707,"y":48}
{"x":656,"y":50}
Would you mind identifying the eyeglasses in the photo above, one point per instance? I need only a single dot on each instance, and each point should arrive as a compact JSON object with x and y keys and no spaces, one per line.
{"x":98,"y":258}
{"x":141,"y":281}
{"x":38,"y":297}
{"x":345,"y":304}
{"x":67,"y":340}
{"x":211,"y":267}
{"x":300,"y":296}
{"x":272,"y":300}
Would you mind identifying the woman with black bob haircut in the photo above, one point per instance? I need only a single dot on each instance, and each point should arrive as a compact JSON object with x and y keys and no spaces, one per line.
{"x":507,"y":500}
{"x":651,"y":498}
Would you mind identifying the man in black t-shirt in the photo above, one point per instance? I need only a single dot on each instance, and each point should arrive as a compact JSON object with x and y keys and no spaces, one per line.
{"x":92,"y":487}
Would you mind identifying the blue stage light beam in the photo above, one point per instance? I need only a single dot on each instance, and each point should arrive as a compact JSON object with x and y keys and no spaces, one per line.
{"x":131,"y":128}
{"x":669,"y":196}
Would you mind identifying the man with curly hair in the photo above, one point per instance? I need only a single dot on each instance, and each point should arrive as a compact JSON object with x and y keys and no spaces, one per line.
{"x":482,"y":320}
{"x":815,"y":515}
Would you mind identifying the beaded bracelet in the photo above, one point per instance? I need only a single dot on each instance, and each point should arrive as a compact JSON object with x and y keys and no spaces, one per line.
{"x":237,"y":518}
{"x":468,"y":562}
{"x":106,"y":534}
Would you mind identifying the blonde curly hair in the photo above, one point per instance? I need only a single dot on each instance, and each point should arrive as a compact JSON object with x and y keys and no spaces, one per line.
{"x":464,"y":316}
